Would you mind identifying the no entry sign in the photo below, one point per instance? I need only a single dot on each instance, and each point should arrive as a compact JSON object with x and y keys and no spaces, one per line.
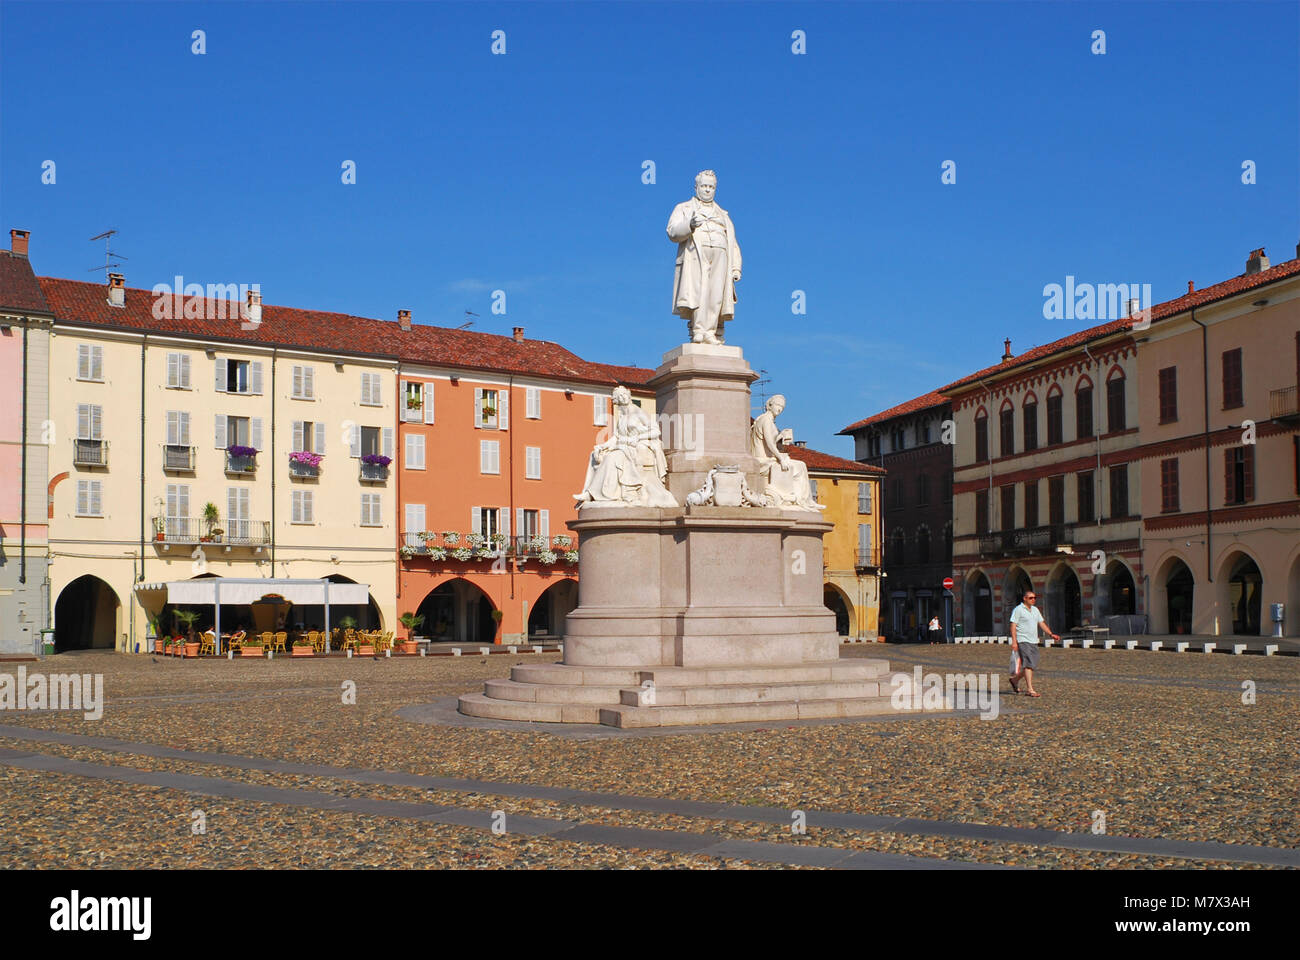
{"x":947,"y":583}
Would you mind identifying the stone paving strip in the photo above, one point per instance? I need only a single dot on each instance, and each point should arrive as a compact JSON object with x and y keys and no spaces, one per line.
{"x":698,"y":844}
{"x":1204,"y":851}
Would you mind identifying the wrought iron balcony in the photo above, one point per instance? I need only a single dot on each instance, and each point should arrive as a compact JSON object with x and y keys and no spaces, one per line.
{"x":303,"y":471}
{"x":178,"y":457}
{"x":240,"y":463}
{"x":188,"y":530}
{"x":867,"y":559}
{"x":90,"y":453}
{"x":1283,"y":404}
{"x":1024,"y":542}
{"x":374,"y":472}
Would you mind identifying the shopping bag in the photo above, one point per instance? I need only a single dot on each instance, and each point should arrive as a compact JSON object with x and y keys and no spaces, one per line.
{"x":1015,"y":662}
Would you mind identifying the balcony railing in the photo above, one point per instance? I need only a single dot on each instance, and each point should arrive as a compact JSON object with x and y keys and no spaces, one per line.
{"x":867,"y":558}
{"x":1023,"y":542}
{"x":90,"y":453}
{"x":373,"y":472}
{"x":236,"y":532}
{"x":303,"y":471}
{"x":518,"y":547}
{"x":1282,"y":403}
{"x":241,"y":463}
{"x":178,"y":457}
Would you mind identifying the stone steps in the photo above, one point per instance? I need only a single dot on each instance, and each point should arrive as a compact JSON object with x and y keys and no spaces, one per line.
{"x":676,"y":716}
{"x":683,"y":696}
{"x":672,"y":676}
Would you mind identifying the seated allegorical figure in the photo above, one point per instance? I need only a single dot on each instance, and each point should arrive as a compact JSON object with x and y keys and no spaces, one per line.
{"x":787,"y":479}
{"x":629,"y":469}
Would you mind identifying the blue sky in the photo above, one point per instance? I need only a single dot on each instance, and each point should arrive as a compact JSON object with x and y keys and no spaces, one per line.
{"x":523,"y":172}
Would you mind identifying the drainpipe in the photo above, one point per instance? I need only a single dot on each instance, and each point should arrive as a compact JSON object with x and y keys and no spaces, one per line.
{"x":144,"y":346}
{"x":1096,"y":433}
{"x":1205,"y":396}
{"x":510,"y":448}
{"x":22,"y":530}
{"x":273,"y":358}
{"x":399,"y":509}
{"x":988,"y":396}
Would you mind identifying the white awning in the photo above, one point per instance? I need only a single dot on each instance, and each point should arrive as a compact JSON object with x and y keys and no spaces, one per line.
{"x":238,"y":592}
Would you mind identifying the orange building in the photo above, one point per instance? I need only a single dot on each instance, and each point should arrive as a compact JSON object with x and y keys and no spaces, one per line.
{"x":491,"y":447}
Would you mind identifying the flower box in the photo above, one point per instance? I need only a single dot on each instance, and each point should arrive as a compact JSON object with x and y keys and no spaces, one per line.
{"x":366,"y":650}
{"x":303,"y":650}
{"x":251,"y":651}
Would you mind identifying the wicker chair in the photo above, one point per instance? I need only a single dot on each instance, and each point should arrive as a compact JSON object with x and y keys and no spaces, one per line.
{"x":236,"y":641}
{"x":208,"y":645}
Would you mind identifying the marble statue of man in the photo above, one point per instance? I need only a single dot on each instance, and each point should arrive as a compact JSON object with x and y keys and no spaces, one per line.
{"x":628,"y":469}
{"x":708,"y":262}
{"x":787,"y":479}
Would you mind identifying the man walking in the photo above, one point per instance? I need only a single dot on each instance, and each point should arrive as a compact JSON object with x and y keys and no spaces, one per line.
{"x":1025,"y":622}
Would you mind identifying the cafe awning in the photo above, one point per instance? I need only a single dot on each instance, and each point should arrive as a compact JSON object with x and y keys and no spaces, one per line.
{"x":235,"y":592}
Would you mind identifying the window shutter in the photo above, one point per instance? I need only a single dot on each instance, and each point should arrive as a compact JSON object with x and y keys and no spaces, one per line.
{"x":544,"y":521}
{"x":173,"y":369}
{"x":83,"y":497}
{"x":96,"y":364}
{"x":319,"y":445}
{"x":428,"y":402}
{"x":96,"y":422}
{"x":355,"y":441}
{"x":503,"y":411}
{"x":255,"y":433}
{"x":297,"y":381}
{"x":296,"y":516}
{"x":182,"y":500}
{"x":404,"y":392}
{"x":519,"y":522}
{"x":173,"y":491}
{"x":221,"y":431}
{"x":478,"y":407}
{"x":96,"y":505}
{"x":483,"y":462}
{"x":475,"y":519}
{"x":173,"y":427}
{"x":1248,"y":471}
{"x":232,"y":503}
{"x":255,"y":377}
{"x":297,"y":436}
{"x":365,"y":506}
{"x":534,"y":403}
{"x":388,"y":442}
{"x":83,"y":369}
{"x":1228,"y":490}
{"x":409,"y":459}
{"x":221,"y":375}
{"x":309,"y":382}
{"x":308,"y":506}
{"x":598,"y":410}
{"x":83,"y":421}
{"x":185,"y":370}
{"x":183,"y":428}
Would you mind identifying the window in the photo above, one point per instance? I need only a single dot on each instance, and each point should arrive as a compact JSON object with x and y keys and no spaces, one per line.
{"x":897,"y":548}
{"x":1232,"y":379}
{"x":812,"y":487}
{"x":489,"y":409}
{"x":1009,"y":507}
{"x":947,"y":486}
{"x":981,"y":511}
{"x":923,"y":490}
{"x":371,"y":510}
{"x":1055,"y":420}
{"x":412,"y":401}
{"x":896,"y":501}
{"x":864,"y":543}
{"x":308,"y":436}
{"x":1115,"y":413}
{"x":414,"y":517}
{"x":1056,"y":500}
{"x":533,"y":463}
{"x":1083,"y":412}
{"x":533,"y":403}
{"x":372,"y":393}
{"x":981,"y":438}
{"x":178,"y":371}
{"x":898,"y":440}
{"x":302,"y":507}
{"x":89,"y":498}
{"x":873,"y":445}
{"x":923,"y":545}
{"x":178,"y":428}
{"x":486,"y":521}
{"x":238,"y":376}
{"x":1008,"y":429}
{"x":1239,"y":474}
{"x":530,"y":523}
{"x":90,"y":361}
{"x":1031,"y":426}
{"x":1169,"y":485}
{"x":415,"y":451}
{"x":304,"y":382}
{"x":90,"y":421}
{"x":1119,"y":491}
{"x":864,"y":498}
{"x":489,"y":456}
{"x":1168,"y":394}
{"x":238,"y":524}
{"x":238,"y":431}
{"x":1086,"y":496}
{"x":1031,"y":504}
{"x":178,"y":509}
{"x":599,"y":411}
{"x":369,"y":441}
{"x":924,"y":432}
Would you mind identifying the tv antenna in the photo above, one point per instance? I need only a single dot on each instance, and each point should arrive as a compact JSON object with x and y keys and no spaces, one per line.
{"x":468,"y":323}
{"x":110,"y":257}
{"x":761,"y":383}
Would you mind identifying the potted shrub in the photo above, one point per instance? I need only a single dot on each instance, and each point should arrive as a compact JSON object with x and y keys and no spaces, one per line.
{"x":187,"y":618}
{"x":497,"y":616}
{"x":251,"y":647}
{"x":159,"y":528}
{"x":410,"y":621}
{"x":365,"y":649}
{"x":302,"y":647}
{"x":210,"y":516}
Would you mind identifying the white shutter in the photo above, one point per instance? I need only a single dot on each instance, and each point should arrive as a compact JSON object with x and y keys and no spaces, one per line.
{"x":478,"y":407}
{"x":483,"y":461}
{"x":365,"y":506}
{"x":533,"y":402}
{"x":308,"y":506}
{"x":475,"y":519}
{"x":221,"y":431}
{"x":503,"y":411}
{"x":83,"y":421}
{"x":414,"y":519}
{"x":403,"y":392}
{"x":388,"y":442}
{"x":297,"y":507}
{"x":255,"y":381}
{"x":319,"y":445}
{"x":355,"y":440}
{"x":255,"y":433}
{"x":183,"y":500}
{"x":544,"y":520}
{"x":504,"y":514}
{"x":428,"y":402}
{"x":96,"y":365}
{"x":519,"y":522}
{"x":409,"y":451}
{"x":173,"y":369}
{"x":533,"y":463}
{"x":598,"y":410}
{"x":297,"y":436}
{"x":185,"y":370}
{"x":173,"y":493}
{"x":183,"y":426}
{"x":297,"y":381}
{"x":864,"y":539}
{"x":232,"y":505}
{"x":221,"y":375}
{"x":96,"y":505}
{"x":83,"y":369}
{"x":83,"y":497}
{"x":173,"y":426}
{"x":309,"y":382}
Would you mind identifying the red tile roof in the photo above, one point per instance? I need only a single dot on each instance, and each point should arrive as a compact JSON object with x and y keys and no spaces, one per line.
{"x":19,"y":290}
{"x":817,"y":460}
{"x":74,"y":301}
{"x":924,"y":402}
{"x":1159,"y":311}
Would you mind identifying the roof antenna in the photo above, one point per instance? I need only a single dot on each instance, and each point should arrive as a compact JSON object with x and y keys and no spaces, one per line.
{"x":762,"y":394}
{"x":468,"y":323}
{"x":109,"y":255}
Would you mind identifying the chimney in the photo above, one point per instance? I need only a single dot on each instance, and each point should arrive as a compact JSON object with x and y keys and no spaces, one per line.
{"x":1191,"y":287}
{"x":1132,"y":307}
{"x":116,"y":290}
{"x":253,"y":307}
{"x":404,"y":319}
{"x":519,"y":334}
{"x":18,"y":241}
{"x":1257,"y":262}
{"x":1006,"y":349}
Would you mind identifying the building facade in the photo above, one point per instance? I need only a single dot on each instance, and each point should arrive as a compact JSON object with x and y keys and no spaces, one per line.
{"x":25,"y":322}
{"x":850,"y":492}
{"x":912,"y":445}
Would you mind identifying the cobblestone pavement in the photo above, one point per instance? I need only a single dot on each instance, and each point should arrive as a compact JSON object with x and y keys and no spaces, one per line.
{"x":1161,"y":744}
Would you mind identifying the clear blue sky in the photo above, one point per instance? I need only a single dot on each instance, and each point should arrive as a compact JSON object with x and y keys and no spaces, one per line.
{"x":523,"y":172}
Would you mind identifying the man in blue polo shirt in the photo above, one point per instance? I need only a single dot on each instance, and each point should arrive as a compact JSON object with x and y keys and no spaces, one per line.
{"x":1025,"y":622}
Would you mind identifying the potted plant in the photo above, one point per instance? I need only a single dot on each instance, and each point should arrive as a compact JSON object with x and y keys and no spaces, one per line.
{"x":186,"y":617}
{"x":414,"y":402}
{"x":497,"y":616}
{"x":210,"y":516}
{"x":365,"y":648}
{"x":571,"y":556}
{"x":348,"y":622}
{"x":251,"y":647}
{"x":406,"y":551}
{"x":376,"y":460}
{"x":450,"y":537}
{"x":159,"y":528}
{"x":302,"y":647}
{"x":410,"y":621}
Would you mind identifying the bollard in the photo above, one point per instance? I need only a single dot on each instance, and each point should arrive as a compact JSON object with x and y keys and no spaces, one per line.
{"x":1181,"y":646}
{"x":455,"y":651}
{"x":1208,"y":647}
{"x":1238,"y":648}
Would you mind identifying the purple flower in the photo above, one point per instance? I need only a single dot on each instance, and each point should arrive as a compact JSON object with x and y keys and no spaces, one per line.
{"x":235,"y":450}
{"x":306,"y":457}
{"x":376,"y":459}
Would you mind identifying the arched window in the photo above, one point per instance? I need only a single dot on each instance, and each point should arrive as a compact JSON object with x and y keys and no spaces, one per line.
{"x":1115,"y":413}
{"x":1083,"y":408}
{"x":922,"y":544}
{"x":1029,"y":413}
{"x":1055,"y":420}
{"x":981,"y":435}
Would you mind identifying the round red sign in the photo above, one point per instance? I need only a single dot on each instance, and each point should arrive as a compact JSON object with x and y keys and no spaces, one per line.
{"x":947,"y":583}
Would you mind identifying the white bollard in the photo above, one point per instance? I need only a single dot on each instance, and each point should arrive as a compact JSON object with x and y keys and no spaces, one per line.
{"x":1238,"y":648}
{"x":484,"y":650}
{"x":388,"y":651}
{"x":455,"y":651}
{"x":1087,"y":643}
{"x":1067,"y":642}
{"x":1270,"y":649}
{"x":513,"y":649}
{"x":1107,"y":644}
{"x":1181,"y":646}
{"x":1208,"y":647}
{"x":1157,"y":644}
{"x":270,"y":654}
{"x":1130,"y":644}
{"x":537,"y":649}
{"x":423,"y":650}
{"x":230,"y":654}
{"x":349,"y":653}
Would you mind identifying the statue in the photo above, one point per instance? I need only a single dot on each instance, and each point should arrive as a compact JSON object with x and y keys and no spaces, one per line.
{"x":787,"y":480}
{"x":628,"y":469}
{"x":708,"y":262}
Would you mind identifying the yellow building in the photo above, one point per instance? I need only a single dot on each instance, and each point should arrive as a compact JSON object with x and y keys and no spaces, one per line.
{"x":851,"y":551}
